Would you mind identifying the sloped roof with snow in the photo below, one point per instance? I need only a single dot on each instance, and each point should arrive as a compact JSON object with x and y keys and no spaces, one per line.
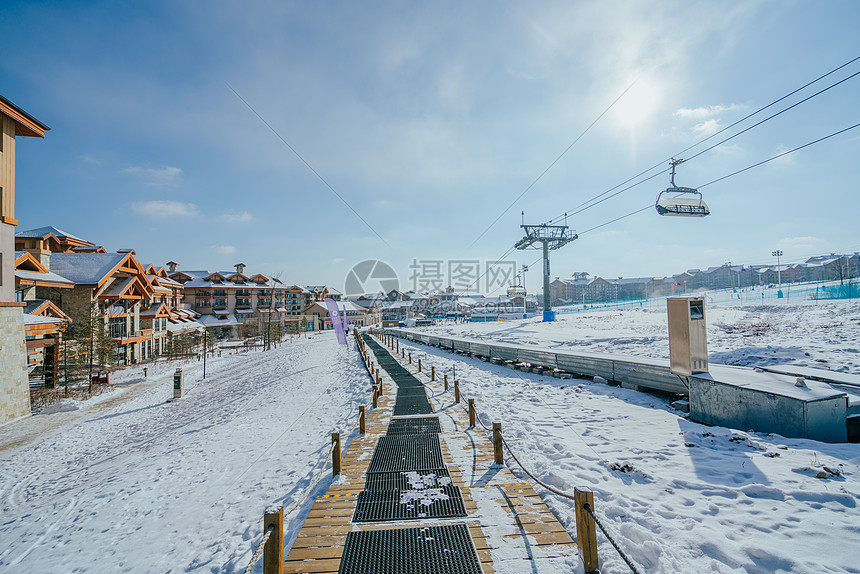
{"x":210,"y":321}
{"x":39,"y":320}
{"x":47,"y":277}
{"x":85,"y":268}
{"x":45,"y":231}
{"x":198,"y":280}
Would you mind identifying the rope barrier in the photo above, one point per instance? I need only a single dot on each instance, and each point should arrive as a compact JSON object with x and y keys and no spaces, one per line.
{"x":259,"y":550}
{"x":569,"y":497}
{"x":612,"y":541}
{"x":588,"y":509}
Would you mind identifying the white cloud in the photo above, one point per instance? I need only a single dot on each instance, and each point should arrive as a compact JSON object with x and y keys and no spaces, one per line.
{"x":155,"y":175}
{"x":708,"y":127}
{"x":236,"y":216}
{"x":706,"y":112}
{"x":337,"y":260}
{"x":165,"y":208}
{"x":789,"y":159}
{"x":87,"y":158}
{"x":224,"y":249}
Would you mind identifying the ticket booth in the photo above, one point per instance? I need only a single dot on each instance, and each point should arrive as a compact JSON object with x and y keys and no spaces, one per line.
{"x":688,"y":336}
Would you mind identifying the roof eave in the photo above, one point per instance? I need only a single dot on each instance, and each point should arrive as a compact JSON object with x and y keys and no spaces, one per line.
{"x":25,"y":124}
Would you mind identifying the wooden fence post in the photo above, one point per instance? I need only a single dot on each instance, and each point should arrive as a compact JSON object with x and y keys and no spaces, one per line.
{"x":375,"y":396}
{"x":456,"y":391}
{"x":273,"y":551}
{"x":419,"y":365}
{"x":446,"y":383}
{"x":586,"y":530}
{"x":471,"y":412}
{"x":498,"y":455}
{"x":410,"y":358}
{"x":361,"y":420}
{"x":398,"y":346}
{"x":335,"y":455}
{"x":432,"y":372}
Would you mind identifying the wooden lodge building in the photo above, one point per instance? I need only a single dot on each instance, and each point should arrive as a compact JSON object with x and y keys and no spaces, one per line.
{"x":235,"y":301}
{"x":141,"y":306}
{"x":14,"y":383}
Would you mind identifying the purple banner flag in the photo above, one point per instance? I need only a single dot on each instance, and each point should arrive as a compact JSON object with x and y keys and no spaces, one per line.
{"x":345,"y":323}
{"x":335,"y":320}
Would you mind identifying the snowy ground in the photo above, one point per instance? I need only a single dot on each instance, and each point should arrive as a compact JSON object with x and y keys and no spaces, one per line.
{"x":130,"y":483}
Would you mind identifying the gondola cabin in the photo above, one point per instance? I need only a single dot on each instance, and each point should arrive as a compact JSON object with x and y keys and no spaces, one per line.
{"x":681,"y":202}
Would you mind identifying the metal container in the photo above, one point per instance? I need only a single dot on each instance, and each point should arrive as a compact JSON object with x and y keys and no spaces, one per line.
{"x":688,"y":336}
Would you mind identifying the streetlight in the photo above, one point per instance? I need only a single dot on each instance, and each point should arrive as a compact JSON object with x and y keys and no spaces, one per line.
{"x":203,"y":332}
{"x":778,"y":254}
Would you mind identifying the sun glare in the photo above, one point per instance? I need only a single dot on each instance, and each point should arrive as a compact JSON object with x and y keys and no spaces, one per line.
{"x":638,"y":105}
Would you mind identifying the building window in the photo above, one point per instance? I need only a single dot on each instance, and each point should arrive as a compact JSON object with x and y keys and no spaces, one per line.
{"x":117,"y":327}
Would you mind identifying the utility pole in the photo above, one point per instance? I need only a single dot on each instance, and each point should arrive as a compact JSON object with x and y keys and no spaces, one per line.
{"x":778,"y":253}
{"x":549,"y":237}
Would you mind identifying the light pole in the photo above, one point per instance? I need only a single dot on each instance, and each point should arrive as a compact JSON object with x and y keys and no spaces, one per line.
{"x":778,"y":254}
{"x":203,"y":332}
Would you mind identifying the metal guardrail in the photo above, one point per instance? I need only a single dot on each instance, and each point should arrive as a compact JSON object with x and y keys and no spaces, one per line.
{"x":644,"y":372}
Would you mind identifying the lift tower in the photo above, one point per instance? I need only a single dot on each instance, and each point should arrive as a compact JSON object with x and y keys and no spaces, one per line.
{"x":550,"y":237}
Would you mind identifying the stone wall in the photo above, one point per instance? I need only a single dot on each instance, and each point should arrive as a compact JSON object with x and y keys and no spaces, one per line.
{"x":14,"y":384}
{"x":7,"y":262}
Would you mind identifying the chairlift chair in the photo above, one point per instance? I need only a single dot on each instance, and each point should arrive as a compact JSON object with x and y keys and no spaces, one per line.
{"x":681,"y":201}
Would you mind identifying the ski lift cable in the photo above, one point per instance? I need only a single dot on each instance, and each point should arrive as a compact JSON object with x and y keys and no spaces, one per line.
{"x":555,"y":161}
{"x":620,"y":191}
{"x":780,"y":155}
{"x":588,"y":203}
{"x":477,"y":281}
{"x":649,"y":206}
{"x":806,"y":99}
{"x":771,"y":104}
{"x":785,"y":153}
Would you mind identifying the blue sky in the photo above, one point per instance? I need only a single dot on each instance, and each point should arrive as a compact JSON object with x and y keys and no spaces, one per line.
{"x":429,"y":120}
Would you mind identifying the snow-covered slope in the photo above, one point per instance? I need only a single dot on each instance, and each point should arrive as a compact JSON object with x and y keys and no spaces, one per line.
{"x":131,"y":483}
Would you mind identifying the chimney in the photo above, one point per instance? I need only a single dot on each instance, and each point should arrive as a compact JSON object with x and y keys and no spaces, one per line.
{"x":240,"y":268}
{"x":172,"y":266}
{"x":39,"y":249}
